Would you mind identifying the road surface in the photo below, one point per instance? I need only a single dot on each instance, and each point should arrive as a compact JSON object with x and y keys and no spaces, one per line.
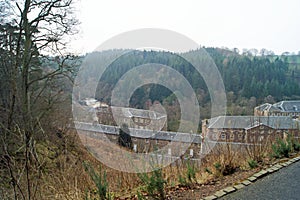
{"x":283,"y":184}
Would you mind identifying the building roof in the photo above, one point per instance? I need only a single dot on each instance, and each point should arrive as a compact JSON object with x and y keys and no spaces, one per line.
{"x":140,"y":133}
{"x":268,"y":107}
{"x":282,"y":106}
{"x":288,"y":106}
{"x":263,"y":107}
{"x":132,"y":112}
{"x":246,"y":122}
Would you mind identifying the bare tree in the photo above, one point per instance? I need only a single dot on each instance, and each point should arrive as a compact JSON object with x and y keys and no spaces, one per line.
{"x":31,"y":30}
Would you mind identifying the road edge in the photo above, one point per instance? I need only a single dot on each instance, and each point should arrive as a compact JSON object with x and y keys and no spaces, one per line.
{"x":262,"y":173}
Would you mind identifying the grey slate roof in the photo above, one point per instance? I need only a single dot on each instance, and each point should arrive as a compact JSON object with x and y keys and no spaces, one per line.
{"x":282,"y":106}
{"x":132,"y":112}
{"x":246,"y":122}
{"x":263,"y":107}
{"x":268,"y":107}
{"x":141,"y":133}
{"x":288,"y":106}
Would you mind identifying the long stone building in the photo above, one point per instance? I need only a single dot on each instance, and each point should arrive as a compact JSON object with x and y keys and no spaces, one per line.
{"x":249,"y":129}
{"x":134,"y":118}
{"x":146,"y":141}
{"x":116,"y":116}
{"x":282,"y":108}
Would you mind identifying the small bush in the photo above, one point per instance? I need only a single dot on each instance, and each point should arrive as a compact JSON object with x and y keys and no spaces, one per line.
{"x":281,"y":148}
{"x":296,"y":145}
{"x":140,"y":196}
{"x":217,"y":166}
{"x":218,"y":171}
{"x":191,"y":172}
{"x":155,"y":183}
{"x":99,"y":180}
{"x":229,"y":169}
{"x":252,"y":164}
{"x":224,"y":169}
{"x":125,"y":137}
{"x":208,"y":170}
{"x":182,"y":181}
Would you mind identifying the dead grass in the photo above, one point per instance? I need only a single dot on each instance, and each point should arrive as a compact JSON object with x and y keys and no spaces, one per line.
{"x":63,"y":175}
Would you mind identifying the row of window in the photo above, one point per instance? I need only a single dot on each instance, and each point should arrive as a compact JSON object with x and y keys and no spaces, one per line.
{"x":231,"y":136}
{"x":239,"y":137}
{"x":285,"y":114}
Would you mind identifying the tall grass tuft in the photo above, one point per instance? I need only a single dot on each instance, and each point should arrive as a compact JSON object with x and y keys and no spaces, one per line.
{"x":100,"y":181}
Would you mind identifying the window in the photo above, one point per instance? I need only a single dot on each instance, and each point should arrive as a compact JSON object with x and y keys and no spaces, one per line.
{"x":135,"y":147}
{"x":240,"y":136}
{"x":215,"y":136}
{"x":231,"y":136}
{"x":261,"y":138}
{"x":295,"y":108}
{"x":223,"y":136}
{"x":191,"y":152}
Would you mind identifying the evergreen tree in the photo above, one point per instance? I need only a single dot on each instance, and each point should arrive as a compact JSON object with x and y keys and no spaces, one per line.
{"x":124,"y":137}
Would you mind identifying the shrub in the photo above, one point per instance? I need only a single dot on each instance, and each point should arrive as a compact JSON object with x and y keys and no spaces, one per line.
{"x":208,"y":170}
{"x":281,"y":148}
{"x":217,"y":166}
{"x":252,"y":163}
{"x":190,"y":176}
{"x":257,"y":150}
{"x":229,"y":169}
{"x":99,"y":180}
{"x":140,"y":196}
{"x":182,"y":180}
{"x":124,"y":137}
{"x":155,"y":183}
{"x":296,"y":145}
{"x":191,"y":172}
{"x":224,"y":169}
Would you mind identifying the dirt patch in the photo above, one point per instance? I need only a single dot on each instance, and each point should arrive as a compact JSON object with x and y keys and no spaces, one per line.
{"x":202,"y":190}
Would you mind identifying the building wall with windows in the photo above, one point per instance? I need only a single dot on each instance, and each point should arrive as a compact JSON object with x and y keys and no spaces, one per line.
{"x":134,"y":118}
{"x":146,"y":141}
{"x":249,"y":129}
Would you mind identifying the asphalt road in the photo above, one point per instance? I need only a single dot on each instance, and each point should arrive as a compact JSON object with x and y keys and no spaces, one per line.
{"x":283,"y":184}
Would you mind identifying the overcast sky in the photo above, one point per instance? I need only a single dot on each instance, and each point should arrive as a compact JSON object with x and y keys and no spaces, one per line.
{"x":270,"y":24}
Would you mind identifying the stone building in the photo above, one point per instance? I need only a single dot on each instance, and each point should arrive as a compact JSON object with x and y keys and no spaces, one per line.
{"x":134,"y":118}
{"x":172,"y":144}
{"x":248,"y":129}
{"x":282,"y":108}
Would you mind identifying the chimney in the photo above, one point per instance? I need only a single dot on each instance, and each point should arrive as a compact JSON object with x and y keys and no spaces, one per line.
{"x":204,"y":127}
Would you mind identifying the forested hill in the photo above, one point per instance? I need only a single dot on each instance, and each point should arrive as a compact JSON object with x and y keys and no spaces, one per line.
{"x":263,"y":77}
{"x":257,"y":76}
